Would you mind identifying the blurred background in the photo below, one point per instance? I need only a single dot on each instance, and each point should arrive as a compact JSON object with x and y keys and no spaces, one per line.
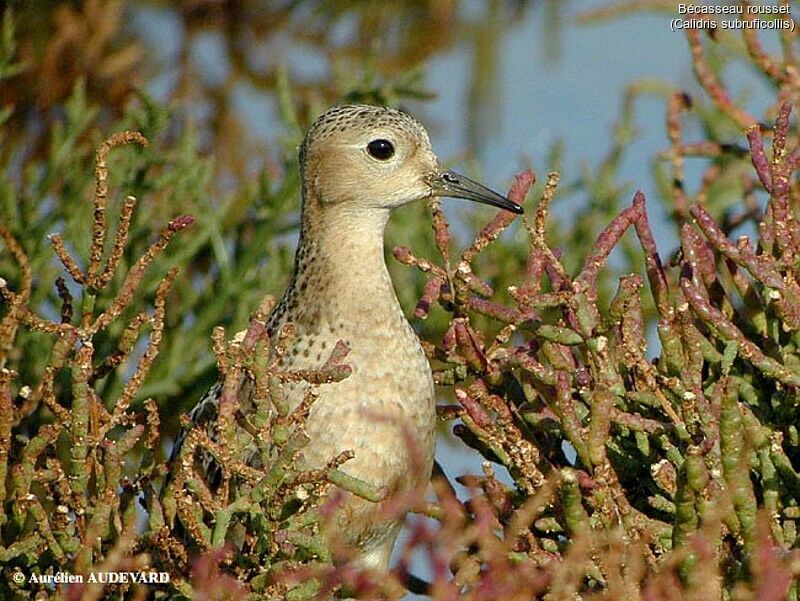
{"x":224,"y":90}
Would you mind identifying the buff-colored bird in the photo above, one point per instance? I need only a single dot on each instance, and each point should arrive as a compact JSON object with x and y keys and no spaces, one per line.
{"x":357,"y":164}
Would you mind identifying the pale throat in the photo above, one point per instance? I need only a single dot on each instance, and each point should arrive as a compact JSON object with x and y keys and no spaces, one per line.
{"x":347,"y":270}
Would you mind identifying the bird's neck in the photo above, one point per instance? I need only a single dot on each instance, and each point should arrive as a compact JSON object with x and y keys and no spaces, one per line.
{"x":340,"y":267}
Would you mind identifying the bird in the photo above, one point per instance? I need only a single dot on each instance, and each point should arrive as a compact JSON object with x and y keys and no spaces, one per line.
{"x":357,"y":164}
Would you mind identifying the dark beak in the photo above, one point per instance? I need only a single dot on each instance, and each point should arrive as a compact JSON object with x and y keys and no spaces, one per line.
{"x":455,"y":185}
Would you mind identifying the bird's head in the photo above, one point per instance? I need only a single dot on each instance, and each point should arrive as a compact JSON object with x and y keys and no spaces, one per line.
{"x":380,"y":158}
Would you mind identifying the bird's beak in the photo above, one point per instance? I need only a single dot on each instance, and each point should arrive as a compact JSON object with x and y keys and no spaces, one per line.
{"x":452,"y":184}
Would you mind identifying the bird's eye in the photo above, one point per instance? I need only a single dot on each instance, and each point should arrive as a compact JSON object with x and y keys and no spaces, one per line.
{"x":383,"y":150}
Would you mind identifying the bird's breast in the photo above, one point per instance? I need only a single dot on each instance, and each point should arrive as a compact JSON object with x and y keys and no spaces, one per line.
{"x":384,"y":411}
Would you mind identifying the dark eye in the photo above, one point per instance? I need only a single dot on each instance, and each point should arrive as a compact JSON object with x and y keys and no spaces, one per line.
{"x":381,"y":149}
